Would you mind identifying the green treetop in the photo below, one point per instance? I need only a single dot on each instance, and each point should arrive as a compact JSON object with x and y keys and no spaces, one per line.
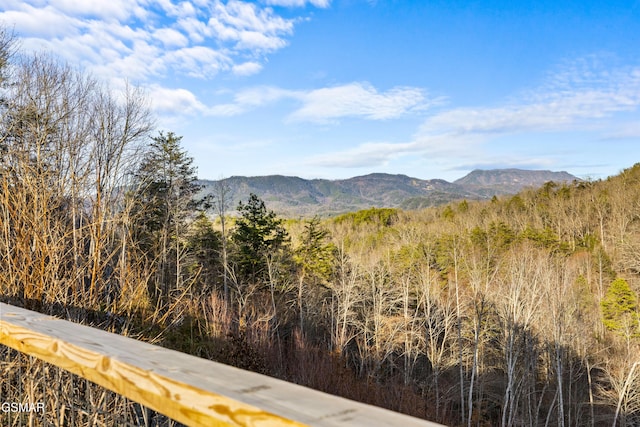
{"x":258,"y":234}
{"x":620,"y":308}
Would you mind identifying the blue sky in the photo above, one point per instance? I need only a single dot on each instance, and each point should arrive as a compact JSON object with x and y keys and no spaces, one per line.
{"x":339,"y":88}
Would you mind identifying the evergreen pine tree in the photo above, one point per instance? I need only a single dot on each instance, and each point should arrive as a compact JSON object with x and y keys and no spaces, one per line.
{"x":620,"y":308}
{"x":165,"y":194}
{"x":258,"y":233}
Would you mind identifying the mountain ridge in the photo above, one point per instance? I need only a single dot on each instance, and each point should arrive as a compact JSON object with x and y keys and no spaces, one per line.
{"x":295,"y":196}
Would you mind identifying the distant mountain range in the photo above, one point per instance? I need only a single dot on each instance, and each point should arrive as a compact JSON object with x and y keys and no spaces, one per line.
{"x":293,"y":196}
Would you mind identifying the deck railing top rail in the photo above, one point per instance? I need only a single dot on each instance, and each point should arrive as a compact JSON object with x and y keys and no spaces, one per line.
{"x":191,"y":390}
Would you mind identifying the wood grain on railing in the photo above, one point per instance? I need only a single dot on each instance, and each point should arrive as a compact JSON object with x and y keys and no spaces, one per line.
{"x":191,"y":390}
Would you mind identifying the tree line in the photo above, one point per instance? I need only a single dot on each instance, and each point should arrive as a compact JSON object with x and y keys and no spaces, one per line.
{"x":519,"y":311}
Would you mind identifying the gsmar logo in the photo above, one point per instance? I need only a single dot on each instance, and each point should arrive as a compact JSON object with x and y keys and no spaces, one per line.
{"x":22,"y":407}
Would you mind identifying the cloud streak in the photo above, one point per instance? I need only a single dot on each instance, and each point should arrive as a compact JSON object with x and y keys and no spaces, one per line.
{"x":358,"y":100}
{"x":352,"y":100}
{"x":299,"y":3}
{"x":574,"y":100}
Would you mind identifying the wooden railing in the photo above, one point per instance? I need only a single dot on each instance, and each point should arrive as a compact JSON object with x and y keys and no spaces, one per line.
{"x":188,"y":389}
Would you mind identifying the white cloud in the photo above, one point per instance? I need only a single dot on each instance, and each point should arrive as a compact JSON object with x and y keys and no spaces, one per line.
{"x":569,"y":105}
{"x":196,"y":30}
{"x":624,"y":131}
{"x":197,"y":61}
{"x":111,"y":10}
{"x":352,"y":100}
{"x":247,"y":68}
{"x":375,"y":154}
{"x":183,"y":9}
{"x":250,"y":27}
{"x":171,"y":38}
{"x":139,"y":62}
{"x":144,"y":39}
{"x":39,"y":22}
{"x":263,"y":95}
{"x":358,"y":100}
{"x":364,"y":155}
{"x":175,"y":101}
{"x":299,"y":3}
{"x":248,"y":16}
{"x":225,"y":110}
{"x":251,"y":40}
{"x":249,"y":99}
{"x":574,"y":100}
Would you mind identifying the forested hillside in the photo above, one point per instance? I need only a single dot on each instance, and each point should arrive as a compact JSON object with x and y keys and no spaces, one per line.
{"x":296,"y":197}
{"x":518,"y":311}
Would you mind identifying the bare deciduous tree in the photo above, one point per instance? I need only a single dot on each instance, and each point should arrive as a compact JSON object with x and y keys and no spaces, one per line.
{"x":69,"y":144}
